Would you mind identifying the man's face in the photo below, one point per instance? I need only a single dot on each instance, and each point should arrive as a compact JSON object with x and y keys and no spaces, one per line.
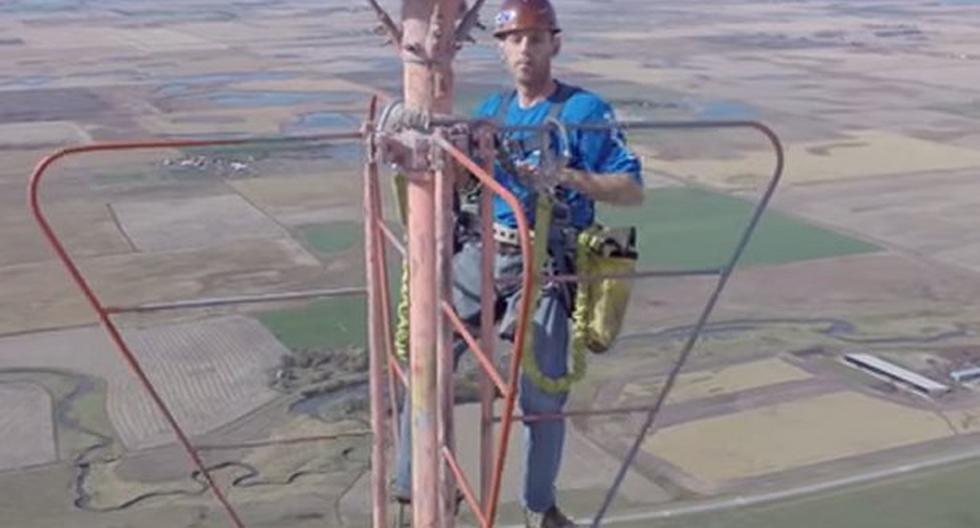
{"x":528,"y":54}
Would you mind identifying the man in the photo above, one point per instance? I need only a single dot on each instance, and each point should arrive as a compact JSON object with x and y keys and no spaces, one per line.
{"x":600,"y":167}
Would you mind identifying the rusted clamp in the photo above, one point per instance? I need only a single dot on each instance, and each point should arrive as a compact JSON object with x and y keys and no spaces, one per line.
{"x":405,"y":137}
{"x":408,"y":151}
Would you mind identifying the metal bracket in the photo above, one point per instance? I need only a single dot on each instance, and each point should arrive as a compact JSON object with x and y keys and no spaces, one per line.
{"x":405,"y":138}
{"x":409,"y":151}
{"x":437,"y":156}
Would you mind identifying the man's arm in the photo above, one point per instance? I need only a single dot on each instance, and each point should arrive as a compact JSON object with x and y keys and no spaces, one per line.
{"x":604,"y":168}
{"x":615,"y":188}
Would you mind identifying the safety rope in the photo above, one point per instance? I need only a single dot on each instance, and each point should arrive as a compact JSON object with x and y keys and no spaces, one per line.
{"x":400,"y":189}
{"x":401,"y":327}
{"x":529,"y":363}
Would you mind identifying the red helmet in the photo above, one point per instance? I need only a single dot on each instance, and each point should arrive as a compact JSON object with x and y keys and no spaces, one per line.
{"x":518,"y":15}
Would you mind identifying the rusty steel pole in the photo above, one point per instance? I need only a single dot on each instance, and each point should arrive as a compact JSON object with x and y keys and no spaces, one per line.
{"x":428,"y":46}
{"x":446,"y":399}
{"x":487,"y":341}
{"x":374,"y":271}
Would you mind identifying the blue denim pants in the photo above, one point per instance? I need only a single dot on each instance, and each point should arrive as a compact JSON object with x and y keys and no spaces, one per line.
{"x":543,"y":440}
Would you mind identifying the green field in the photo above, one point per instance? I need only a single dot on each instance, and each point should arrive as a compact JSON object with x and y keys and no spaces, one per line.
{"x":681,"y":227}
{"x":332,"y":237}
{"x":328,"y":324}
{"x":937,"y":499}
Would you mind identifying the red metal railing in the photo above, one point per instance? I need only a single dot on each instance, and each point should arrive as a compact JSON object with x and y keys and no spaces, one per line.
{"x":523,"y":312}
{"x":379,"y":313}
{"x":105,"y":312}
{"x":376,"y":233}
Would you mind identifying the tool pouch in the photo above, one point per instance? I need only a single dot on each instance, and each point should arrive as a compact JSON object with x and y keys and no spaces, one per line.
{"x":600,"y":305}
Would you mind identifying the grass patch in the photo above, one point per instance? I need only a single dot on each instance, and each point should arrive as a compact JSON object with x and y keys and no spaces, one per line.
{"x":694,"y":228}
{"x":332,"y":237}
{"x":329,"y":324}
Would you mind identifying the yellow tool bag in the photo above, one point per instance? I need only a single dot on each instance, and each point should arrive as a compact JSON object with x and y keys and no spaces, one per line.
{"x":600,"y":305}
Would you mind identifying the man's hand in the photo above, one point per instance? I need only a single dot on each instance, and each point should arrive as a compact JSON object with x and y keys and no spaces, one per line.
{"x":532,"y":175}
{"x":618,"y":188}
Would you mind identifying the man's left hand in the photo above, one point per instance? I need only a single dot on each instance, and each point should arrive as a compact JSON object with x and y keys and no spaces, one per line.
{"x":614,"y":188}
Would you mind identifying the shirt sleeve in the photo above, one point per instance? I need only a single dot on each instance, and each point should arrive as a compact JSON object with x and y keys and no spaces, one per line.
{"x":604,"y":151}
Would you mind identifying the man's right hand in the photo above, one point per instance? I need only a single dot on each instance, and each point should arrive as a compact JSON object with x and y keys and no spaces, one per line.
{"x":532,"y":176}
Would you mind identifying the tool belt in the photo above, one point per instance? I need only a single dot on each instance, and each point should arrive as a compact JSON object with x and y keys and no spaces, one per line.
{"x":598,"y":306}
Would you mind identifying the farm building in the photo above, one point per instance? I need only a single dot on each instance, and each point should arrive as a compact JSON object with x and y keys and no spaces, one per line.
{"x":892,"y":372}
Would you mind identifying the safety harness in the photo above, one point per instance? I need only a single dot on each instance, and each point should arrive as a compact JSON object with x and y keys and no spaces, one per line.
{"x":598,"y":306}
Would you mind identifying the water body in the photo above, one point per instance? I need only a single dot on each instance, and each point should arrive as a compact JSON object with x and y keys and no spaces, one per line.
{"x":41,"y":6}
{"x":317,"y":120}
{"x":725,"y":110}
{"x":176,"y":15}
{"x":255,"y":99}
{"x":28,"y":81}
{"x":176,"y":86}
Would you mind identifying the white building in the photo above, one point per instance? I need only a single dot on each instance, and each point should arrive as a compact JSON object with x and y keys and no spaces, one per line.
{"x":892,"y":372}
{"x":965,"y":375}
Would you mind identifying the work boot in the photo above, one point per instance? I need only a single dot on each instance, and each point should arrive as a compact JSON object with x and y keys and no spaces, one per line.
{"x":403,"y":510}
{"x":553,"y":518}
{"x":403,"y":519}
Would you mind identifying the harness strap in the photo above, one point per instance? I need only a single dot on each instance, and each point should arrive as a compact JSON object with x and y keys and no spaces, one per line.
{"x":529,"y":362}
{"x":544,"y":216}
{"x":558,"y":100}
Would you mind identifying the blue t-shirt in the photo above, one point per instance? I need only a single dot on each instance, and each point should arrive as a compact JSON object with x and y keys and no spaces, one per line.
{"x":598,"y":152}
